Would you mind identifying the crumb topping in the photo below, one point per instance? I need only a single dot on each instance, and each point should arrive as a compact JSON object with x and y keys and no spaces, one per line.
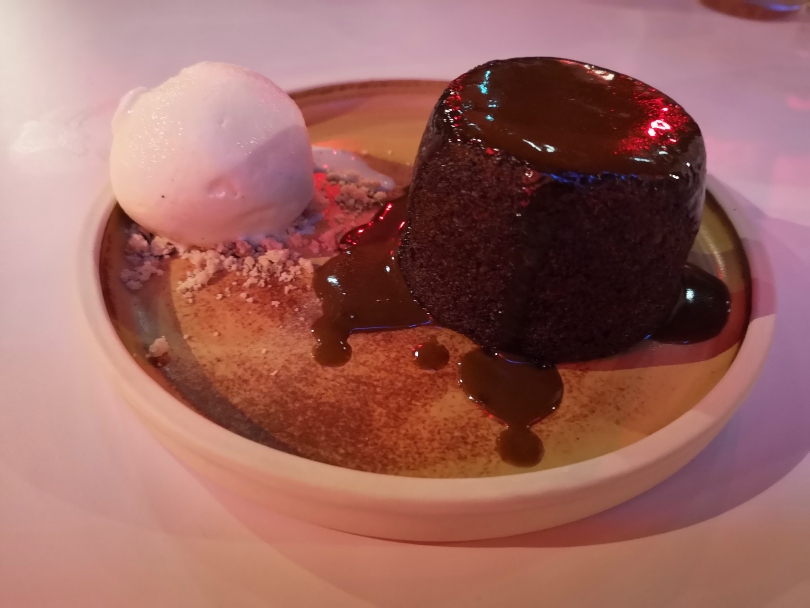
{"x":158,"y":348}
{"x":341,"y":201}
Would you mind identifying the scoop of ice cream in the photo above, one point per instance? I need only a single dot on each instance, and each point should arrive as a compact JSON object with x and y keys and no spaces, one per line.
{"x":214,"y":154}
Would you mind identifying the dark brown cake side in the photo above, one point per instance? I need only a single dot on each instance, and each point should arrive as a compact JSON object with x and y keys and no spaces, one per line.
{"x":562,"y":240}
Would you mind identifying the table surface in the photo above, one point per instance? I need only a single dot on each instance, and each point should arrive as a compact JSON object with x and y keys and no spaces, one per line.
{"x":94,"y":512}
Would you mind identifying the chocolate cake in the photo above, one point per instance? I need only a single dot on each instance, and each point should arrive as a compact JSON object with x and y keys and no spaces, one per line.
{"x":552,"y":208}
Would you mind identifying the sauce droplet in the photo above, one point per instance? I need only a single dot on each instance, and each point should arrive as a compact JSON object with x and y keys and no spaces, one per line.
{"x":701,"y":312}
{"x":518,"y":393}
{"x":431,"y":355}
{"x":362,"y":289}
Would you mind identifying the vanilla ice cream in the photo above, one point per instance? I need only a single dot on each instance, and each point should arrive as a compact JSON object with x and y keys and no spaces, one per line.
{"x":214,"y":154}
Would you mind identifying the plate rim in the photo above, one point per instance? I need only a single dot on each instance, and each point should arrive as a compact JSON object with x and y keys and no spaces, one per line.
{"x":334,"y":484}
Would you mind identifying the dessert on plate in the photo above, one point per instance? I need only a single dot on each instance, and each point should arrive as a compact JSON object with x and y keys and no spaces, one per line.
{"x":552,"y":209}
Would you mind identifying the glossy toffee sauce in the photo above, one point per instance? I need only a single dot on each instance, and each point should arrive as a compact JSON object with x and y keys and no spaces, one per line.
{"x":701,"y":312}
{"x":362,"y":289}
{"x":518,"y":393}
{"x":584,"y":118}
{"x":431,"y":355}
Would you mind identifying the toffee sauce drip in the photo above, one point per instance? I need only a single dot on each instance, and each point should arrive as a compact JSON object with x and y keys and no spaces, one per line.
{"x":362,"y":289}
{"x":701,"y":311}
{"x":431,"y":355}
{"x":518,"y":393}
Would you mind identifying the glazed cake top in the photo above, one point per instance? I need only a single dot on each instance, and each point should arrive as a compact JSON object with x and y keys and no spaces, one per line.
{"x":560,"y":115}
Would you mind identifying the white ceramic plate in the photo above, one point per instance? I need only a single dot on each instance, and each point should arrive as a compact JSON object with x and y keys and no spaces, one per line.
{"x":386,"y":119}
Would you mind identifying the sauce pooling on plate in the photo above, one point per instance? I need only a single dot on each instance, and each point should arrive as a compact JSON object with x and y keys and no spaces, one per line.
{"x":362,"y":290}
{"x":701,"y":312}
{"x":517,"y":392}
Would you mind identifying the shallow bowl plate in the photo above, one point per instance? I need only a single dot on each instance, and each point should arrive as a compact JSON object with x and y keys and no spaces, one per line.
{"x":379,"y":447}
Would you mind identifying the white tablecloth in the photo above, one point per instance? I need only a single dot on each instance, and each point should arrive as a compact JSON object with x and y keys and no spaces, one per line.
{"x":94,"y":512}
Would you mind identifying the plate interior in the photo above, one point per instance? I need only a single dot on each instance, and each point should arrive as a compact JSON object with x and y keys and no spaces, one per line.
{"x":380,"y":412}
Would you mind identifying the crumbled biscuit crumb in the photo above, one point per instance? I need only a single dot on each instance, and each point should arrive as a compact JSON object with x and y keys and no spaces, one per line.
{"x":137,"y":243}
{"x":158,"y":348}
{"x":341,"y":199}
